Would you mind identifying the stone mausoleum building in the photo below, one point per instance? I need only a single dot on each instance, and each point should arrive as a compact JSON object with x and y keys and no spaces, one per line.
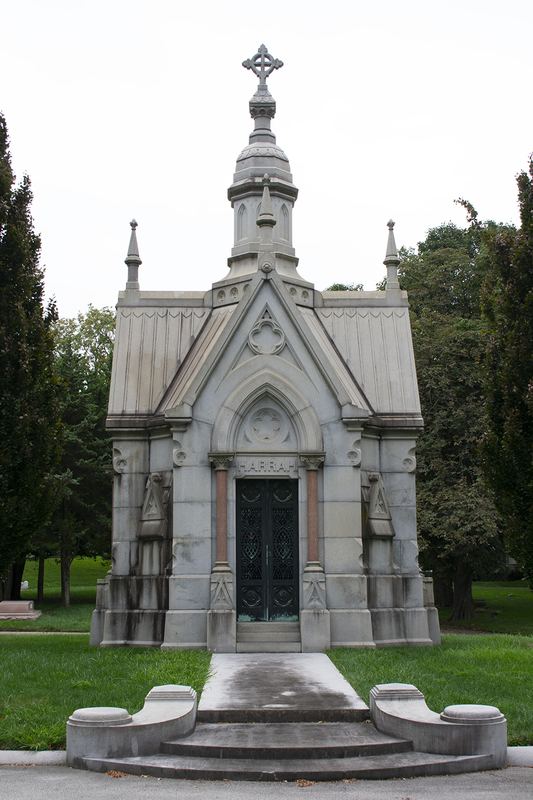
{"x":264,"y":440}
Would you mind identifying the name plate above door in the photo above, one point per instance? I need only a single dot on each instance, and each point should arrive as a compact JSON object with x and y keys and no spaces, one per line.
{"x":267,"y":465}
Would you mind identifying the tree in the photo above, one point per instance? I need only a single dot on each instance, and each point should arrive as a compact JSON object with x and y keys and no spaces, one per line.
{"x":459,"y":529}
{"x":81,"y":523}
{"x":507,"y":448}
{"x":345,"y":287}
{"x":30,"y":430}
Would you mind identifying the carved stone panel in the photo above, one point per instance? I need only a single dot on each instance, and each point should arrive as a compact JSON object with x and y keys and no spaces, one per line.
{"x":266,"y":427}
{"x":153,"y":523}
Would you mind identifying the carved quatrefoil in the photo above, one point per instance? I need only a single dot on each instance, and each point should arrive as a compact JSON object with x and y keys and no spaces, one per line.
{"x":266,"y":338}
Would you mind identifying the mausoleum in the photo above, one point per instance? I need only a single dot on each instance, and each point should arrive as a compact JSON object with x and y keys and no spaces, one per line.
{"x":264,"y":438}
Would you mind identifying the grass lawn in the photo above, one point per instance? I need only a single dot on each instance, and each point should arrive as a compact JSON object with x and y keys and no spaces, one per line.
{"x":84,"y":573}
{"x":512,"y":599}
{"x":493,"y":670}
{"x":45,"y":678}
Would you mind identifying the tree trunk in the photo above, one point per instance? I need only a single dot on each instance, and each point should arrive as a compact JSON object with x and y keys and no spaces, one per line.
{"x":18,"y":572}
{"x":66,"y":559}
{"x":40,"y":577}
{"x":443,"y":589}
{"x":5,"y":585}
{"x":463,"y":603}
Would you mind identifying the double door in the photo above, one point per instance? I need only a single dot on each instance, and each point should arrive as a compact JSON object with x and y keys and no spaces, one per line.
{"x":267,"y":550}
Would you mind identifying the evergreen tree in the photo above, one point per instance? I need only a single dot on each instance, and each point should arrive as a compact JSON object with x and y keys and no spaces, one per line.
{"x":30,"y":431}
{"x":458,"y":526}
{"x":507,"y":448}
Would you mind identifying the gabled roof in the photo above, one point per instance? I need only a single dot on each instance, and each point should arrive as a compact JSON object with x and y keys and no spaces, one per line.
{"x":150,"y":345}
{"x":376,"y":345}
{"x":208,"y":349}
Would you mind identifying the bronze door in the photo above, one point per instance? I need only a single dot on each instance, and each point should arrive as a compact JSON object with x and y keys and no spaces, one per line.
{"x":267,"y":550}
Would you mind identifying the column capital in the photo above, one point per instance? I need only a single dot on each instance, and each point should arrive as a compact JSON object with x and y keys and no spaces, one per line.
{"x":311,"y":461}
{"x":221,"y":461}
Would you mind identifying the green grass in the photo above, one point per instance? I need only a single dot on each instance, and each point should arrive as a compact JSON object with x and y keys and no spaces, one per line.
{"x":84,"y":573}
{"x":492,"y":670}
{"x":45,"y":678}
{"x":512,"y":599}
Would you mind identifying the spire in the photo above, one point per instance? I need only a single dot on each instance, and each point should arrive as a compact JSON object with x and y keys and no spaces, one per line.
{"x":132,"y":260}
{"x":392,"y":259}
{"x":266,"y":217}
{"x":262,"y":104}
{"x":257,"y":205}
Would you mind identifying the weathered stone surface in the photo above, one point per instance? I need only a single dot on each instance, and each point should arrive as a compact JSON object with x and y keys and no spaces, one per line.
{"x":260,"y":376}
{"x":399,"y":709}
{"x":169,"y":712}
{"x":18,"y":609}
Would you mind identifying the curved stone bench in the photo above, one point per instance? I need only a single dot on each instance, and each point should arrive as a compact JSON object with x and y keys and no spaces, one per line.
{"x":169,"y":712}
{"x":400,"y":710}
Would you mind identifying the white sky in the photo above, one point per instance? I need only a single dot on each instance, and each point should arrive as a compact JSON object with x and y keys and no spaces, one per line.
{"x":139,"y":109}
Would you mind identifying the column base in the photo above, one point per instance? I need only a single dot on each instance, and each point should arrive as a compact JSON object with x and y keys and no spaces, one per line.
{"x":221,"y":631}
{"x":315,"y":630}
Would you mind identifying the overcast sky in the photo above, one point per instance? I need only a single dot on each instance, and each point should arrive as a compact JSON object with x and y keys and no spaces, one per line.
{"x":139,"y":108}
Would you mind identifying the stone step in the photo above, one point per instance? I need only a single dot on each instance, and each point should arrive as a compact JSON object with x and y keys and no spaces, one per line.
{"x":306,"y":740}
{"x":396,"y":765}
{"x":273,"y":626}
{"x":268,"y":637}
{"x":268,"y":647}
{"x":281,"y":712}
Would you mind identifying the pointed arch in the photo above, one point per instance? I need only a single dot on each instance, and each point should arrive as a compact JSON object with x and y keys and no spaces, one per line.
{"x":266,"y":384}
{"x":285,"y":230}
{"x":242,"y":219}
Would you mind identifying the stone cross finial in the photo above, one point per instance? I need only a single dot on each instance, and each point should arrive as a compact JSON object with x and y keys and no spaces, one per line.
{"x":262,"y":64}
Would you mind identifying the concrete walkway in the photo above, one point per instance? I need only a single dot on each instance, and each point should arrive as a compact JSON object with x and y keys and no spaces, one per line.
{"x":278,"y":687}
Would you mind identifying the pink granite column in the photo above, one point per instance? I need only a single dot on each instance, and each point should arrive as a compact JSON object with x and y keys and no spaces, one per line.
{"x":222,"y":516}
{"x":312,"y":515}
{"x":221,"y":462}
{"x":312,"y":462}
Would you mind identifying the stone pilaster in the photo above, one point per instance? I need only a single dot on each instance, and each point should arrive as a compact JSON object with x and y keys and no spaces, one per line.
{"x":222,"y":618}
{"x":314,"y":617}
